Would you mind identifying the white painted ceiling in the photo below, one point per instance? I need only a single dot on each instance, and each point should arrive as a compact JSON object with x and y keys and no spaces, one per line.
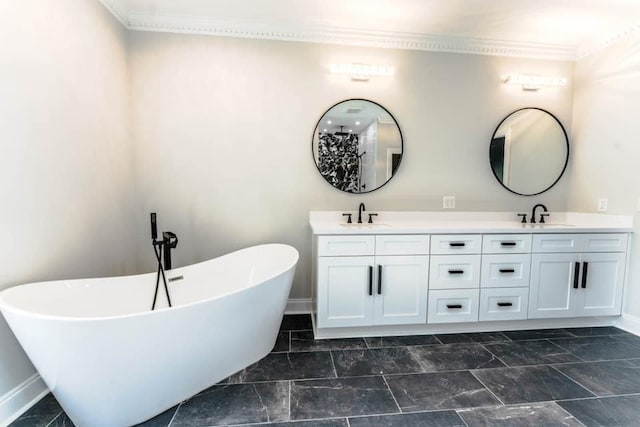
{"x":555,"y":29}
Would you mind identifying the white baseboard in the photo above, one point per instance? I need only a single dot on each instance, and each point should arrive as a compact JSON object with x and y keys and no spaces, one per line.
{"x":298,"y":306}
{"x":629,"y":323}
{"x":456,"y":328}
{"x":18,"y":400}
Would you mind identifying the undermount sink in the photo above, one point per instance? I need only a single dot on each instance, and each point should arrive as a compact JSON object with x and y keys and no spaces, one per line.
{"x":366,"y":225}
{"x":551,"y":225}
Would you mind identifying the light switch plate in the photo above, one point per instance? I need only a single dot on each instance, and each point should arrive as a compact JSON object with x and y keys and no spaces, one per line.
{"x":603,"y":205}
{"x":449,"y":202}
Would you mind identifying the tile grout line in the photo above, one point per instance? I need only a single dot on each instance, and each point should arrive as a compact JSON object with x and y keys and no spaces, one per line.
{"x":424,"y":371}
{"x":495,"y":355}
{"x":597,"y":397}
{"x":392,"y":395}
{"x":574,"y":381}
{"x":457,"y":411}
{"x":270,"y":423}
{"x":175,"y":414}
{"x":486,"y":387}
{"x":567,"y":350}
{"x":54,"y":418}
{"x":569,"y":413}
{"x":333,"y":364}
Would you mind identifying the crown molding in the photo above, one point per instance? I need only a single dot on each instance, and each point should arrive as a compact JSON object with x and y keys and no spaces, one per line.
{"x":137,"y":21}
{"x":350,"y":37}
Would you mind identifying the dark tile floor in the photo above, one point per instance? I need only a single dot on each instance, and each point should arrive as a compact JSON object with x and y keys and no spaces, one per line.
{"x":553,"y":377}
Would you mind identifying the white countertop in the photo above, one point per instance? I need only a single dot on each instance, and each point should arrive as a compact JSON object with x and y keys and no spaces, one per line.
{"x":389,"y":222}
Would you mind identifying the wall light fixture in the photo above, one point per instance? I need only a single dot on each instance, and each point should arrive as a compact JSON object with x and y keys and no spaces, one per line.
{"x":531,"y":82}
{"x":362,"y":72}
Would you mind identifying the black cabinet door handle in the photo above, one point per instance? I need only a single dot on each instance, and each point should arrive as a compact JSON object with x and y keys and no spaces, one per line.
{"x":457,"y":244}
{"x":456,"y":271}
{"x":507,"y":270}
{"x":585,"y":271}
{"x":576,"y":273}
{"x":379,"y":279}
{"x":505,"y":304}
{"x":507,"y":243}
{"x":370,"y":280}
{"x":454,"y":305}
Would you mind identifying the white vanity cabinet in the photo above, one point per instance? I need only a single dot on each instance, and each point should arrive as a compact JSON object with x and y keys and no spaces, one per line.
{"x":421,"y":273}
{"x":576,"y":275}
{"x":371,"y":280}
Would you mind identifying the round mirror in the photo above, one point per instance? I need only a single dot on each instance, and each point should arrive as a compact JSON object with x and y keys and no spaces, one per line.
{"x":357,"y":146}
{"x":529,"y":151}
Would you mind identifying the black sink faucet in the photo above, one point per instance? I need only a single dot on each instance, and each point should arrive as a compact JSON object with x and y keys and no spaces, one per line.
{"x":360,"y":210}
{"x":533,"y":213}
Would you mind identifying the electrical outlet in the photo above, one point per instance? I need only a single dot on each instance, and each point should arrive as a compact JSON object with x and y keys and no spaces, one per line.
{"x":449,"y":202}
{"x":602,"y":205}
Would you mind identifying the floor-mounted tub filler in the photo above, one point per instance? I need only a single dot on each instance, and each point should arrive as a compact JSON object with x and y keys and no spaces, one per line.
{"x":111,"y":361}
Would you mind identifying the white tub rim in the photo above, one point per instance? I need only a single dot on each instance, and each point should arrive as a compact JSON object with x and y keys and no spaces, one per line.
{"x":4,"y":305}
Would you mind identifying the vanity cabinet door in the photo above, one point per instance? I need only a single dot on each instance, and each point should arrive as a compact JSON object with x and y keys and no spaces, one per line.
{"x":400,"y":290}
{"x":601,"y":284}
{"x":345,"y":291}
{"x":552,"y":292}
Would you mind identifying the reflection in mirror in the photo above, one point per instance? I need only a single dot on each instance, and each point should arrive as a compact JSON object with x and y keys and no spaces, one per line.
{"x":357,"y":146}
{"x":529,"y":151}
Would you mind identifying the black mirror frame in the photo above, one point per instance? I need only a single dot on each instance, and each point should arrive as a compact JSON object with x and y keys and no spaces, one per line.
{"x":318,"y":126}
{"x":566,"y":162}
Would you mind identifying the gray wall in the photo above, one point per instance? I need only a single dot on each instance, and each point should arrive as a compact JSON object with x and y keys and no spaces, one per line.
{"x":66,"y":175}
{"x":606,"y":151}
{"x":223,"y":127}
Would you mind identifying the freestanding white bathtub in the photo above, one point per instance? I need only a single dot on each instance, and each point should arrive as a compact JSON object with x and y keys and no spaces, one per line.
{"x":110,"y":361}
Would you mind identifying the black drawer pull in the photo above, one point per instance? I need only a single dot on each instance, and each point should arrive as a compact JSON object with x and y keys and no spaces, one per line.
{"x":456,"y":271}
{"x":507,"y":270}
{"x":507,"y":243}
{"x":370,"y":280}
{"x":379,"y":279}
{"x":454,"y":305}
{"x":585,"y":271}
{"x":505,"y":304}
{"x":457,"y":244}
{"x":576,"y":273}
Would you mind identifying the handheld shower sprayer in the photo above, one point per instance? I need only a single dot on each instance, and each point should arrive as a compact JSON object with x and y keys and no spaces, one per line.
{"x":154,"y":226}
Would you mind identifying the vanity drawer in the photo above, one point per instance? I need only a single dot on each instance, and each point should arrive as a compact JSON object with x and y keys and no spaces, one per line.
{"x":346,"y":245}
{"x":504,"y":304}
{"x":596,"y":242}
{"x":453,"y":306}
{"x":446,"y":244}
{"x":506,"y":243}
{"x":417,"y":244}
{"x":556,"y":243}
{"x":506,"y":271}
{"x":454,"y":271}
{"x":604,"y":242}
